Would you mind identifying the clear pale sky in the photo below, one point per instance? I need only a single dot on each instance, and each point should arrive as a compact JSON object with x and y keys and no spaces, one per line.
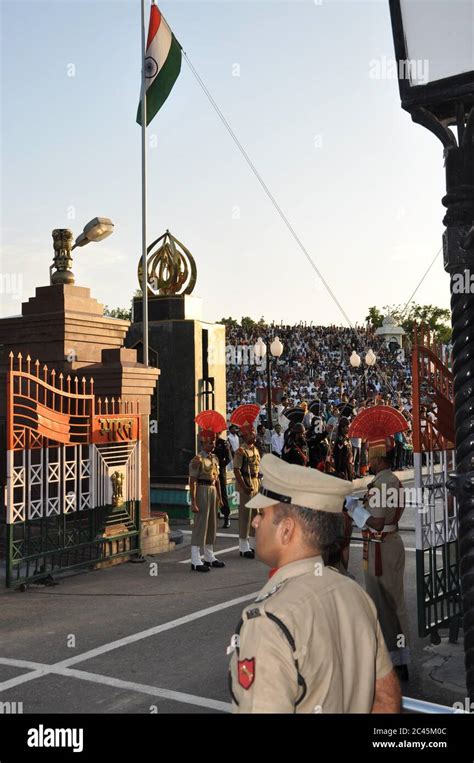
{"x":360,"y":183}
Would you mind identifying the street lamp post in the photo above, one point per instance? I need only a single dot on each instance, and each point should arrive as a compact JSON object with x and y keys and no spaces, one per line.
{"x":440,"y":36}
{"x":355,"y":361}
{"x":269,"y":349}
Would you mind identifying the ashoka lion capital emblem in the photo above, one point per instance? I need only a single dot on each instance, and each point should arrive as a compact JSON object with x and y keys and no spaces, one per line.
{"x":117,"y":480}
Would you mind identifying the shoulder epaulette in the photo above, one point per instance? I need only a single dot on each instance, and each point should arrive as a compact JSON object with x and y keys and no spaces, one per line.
{"x":271,"y":592}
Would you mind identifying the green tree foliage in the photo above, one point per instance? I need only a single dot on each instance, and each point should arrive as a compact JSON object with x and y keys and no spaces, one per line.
{"x":374,"y":318}
{"x":247,"y":323}
{"x":437,"y":318}
{"x":118,"y":312}
{"x":229,"y":322}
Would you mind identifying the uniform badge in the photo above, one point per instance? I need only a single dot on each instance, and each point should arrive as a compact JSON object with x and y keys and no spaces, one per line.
{"x":251,"y":613}
{"x":246,"y":672}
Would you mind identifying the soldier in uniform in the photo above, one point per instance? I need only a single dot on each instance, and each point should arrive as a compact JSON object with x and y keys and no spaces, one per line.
{"x":205,"y":493}
{"x":384,"y":555}
{"x":342,"y":451}
{"x":246,"y":469}
{"x":311,"y":642}
{"x":295,"y":450}
{"x":222,"y":451}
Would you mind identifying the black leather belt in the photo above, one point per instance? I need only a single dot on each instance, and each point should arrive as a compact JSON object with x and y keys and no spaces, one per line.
{"x":206,"y":482}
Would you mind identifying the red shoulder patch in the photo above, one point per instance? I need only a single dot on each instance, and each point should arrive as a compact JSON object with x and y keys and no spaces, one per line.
{"x":246,"y":672}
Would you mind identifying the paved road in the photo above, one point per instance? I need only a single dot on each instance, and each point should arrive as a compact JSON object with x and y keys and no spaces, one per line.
{"x":127,"y":640}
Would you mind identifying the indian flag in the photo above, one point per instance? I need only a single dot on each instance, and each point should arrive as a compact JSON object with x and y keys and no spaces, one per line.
{"x":162,"y":64}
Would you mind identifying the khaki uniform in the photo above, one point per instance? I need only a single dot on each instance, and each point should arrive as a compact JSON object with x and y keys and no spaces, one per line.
{"x":384,"y":565}
{"x":205,"y":467}
{"x":247,"y":459}
{"x":310,"y":643}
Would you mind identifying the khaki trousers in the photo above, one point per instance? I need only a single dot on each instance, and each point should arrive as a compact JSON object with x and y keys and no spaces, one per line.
{"x":246,"y":515}
{"x":205,"y":522}
{"x":387,"y":591}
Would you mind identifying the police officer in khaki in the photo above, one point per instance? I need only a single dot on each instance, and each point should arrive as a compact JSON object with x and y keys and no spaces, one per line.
{"x":205,"y":493}
{"x":311,"y":641}
{"x":384,"y":555}
{"x":246,"y":465}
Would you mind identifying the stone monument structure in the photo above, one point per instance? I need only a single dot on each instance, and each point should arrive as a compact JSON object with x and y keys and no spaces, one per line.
{"x":191,"y":355}
{"x":64,"y":328}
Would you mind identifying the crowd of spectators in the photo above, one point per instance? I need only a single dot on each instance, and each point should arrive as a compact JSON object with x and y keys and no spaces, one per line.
{"x":315,"y":365}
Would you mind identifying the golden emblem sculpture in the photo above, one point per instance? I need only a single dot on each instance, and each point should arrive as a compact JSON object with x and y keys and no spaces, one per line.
{"x":117,"y":480}
{"x":171,"y":269}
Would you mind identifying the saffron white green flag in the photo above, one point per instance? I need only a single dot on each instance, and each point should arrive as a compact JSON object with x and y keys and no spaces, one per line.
{"x":162,"y":64}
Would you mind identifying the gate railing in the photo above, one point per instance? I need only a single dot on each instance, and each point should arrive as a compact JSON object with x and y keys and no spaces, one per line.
{"x":437,"y":551}
{"x":73,"y":473}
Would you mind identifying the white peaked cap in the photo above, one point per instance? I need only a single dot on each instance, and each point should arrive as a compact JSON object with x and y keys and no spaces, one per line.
{"x":298,"y":485}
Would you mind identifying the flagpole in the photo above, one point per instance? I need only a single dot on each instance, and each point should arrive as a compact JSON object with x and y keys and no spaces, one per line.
{"x":144,"y":197}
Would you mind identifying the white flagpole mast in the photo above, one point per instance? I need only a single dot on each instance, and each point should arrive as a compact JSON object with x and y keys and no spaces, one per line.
{"x":144,"y":195}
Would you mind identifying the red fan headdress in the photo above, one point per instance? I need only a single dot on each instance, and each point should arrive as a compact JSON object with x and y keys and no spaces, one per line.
{"x":244,"y":416}
{"x":377,"y":424}
{"x":211,"y":422}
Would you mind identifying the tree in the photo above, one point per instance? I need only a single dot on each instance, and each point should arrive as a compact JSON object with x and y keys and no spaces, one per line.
{"x":229,"y":322}
{"x":374,"y":317}
{"x":247,"y":323}
{"x":118,"y":312}
{"x":436,"y":318}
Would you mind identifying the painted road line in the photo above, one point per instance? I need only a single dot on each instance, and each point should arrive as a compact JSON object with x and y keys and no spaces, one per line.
{"x":217,"y":553}
{"x":118,"y":683}
{"x":134,"y":637}
{"x":24,"y":678}
{"x":23,"y":663}
{"x":154,"y":691}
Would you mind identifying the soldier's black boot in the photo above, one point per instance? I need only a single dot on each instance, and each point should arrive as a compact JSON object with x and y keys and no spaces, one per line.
{"x":199,"y":568}
{"x":215,"y":563}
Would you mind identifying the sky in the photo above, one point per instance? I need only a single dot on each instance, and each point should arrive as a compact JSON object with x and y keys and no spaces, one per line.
{"x":309,"y":92}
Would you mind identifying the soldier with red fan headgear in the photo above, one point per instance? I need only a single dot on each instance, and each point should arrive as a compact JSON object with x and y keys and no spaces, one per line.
{"x":246,"y":467}
{"x":384,"y":552}
{"x":205,"y":492}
